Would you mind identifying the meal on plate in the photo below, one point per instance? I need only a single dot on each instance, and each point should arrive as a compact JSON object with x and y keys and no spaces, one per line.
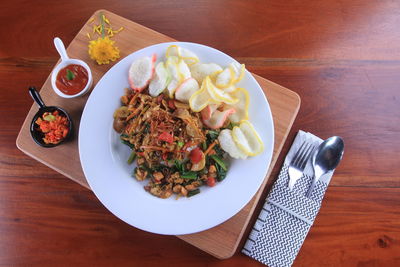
{"x":183,"y":120}
{"x":54,"y":127}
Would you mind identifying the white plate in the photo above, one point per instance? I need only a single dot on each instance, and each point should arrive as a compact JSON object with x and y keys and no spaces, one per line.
{"x":103,"y":158}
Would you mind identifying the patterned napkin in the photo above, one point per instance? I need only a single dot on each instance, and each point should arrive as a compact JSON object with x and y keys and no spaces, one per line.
{"x":287,"y":216}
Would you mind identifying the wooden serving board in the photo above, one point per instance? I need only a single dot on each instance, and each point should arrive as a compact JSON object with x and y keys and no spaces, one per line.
{"x":221,"y":241}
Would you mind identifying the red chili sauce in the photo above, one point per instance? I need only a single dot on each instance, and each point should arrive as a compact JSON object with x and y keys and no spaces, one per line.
{"x":72,"y":79}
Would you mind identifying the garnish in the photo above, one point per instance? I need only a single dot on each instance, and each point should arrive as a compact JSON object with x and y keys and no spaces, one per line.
{"x":49,"y":117}
{"x":102,"y":17}
{"x":180,"y":144}
{"x":101,"y":29}
{"x":70,"y":75}
{"x":103,"y":49}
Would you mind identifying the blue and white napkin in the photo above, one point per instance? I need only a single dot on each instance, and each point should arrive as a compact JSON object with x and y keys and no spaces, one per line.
{"x":287,"y":216}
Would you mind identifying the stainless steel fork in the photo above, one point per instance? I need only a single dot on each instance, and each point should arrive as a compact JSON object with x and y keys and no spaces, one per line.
{"x":298,"y":163}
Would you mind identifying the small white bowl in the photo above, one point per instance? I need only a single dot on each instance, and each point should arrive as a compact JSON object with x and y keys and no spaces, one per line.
{"x":65,"y":61}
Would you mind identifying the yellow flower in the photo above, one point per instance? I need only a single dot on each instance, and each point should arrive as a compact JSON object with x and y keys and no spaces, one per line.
{"x":103,"y":50}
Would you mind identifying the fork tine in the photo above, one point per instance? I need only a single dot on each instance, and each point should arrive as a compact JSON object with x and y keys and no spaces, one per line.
{"x":298,"y":163}
{"x":306,"y":156}
{"x":296,"y":156}
{"x":302,"y":153}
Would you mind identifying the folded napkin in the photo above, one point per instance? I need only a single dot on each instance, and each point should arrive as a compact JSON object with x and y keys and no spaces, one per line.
{"x":287,"y":215}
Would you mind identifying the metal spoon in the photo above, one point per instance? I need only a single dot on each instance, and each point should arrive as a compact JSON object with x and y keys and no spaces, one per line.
{"x":326,"y":158}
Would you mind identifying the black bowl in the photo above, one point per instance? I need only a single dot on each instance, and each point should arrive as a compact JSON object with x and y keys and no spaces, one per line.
{"x":36,"y":134}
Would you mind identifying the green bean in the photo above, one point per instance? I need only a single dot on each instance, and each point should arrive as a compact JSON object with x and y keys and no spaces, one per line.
{"x":194,"y":192}
{"x":127,"y":143}
{"x":131,"y":158}
{"x":213,"y":134}
{"x":219,"y":161}
{"x":180,"y":166}
{"x":189,"y":175}
{"x":204,"y":146}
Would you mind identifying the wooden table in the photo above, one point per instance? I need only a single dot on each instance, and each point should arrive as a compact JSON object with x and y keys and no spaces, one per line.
{"x":341,"y":57}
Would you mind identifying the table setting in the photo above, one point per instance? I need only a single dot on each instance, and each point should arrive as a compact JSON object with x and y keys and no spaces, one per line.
{"x":165,"y":143}
{"x":294,"y":200}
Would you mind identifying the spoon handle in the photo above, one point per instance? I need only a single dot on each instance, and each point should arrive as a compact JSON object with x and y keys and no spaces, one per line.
{"x":313,"y":183}
{"x":60,"y":48}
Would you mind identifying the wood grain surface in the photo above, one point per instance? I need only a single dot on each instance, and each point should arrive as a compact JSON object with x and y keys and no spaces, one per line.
{"x":341,"y":57}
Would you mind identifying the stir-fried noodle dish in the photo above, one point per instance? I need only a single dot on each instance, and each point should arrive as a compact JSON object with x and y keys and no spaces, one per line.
{"x":183,"y":121}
